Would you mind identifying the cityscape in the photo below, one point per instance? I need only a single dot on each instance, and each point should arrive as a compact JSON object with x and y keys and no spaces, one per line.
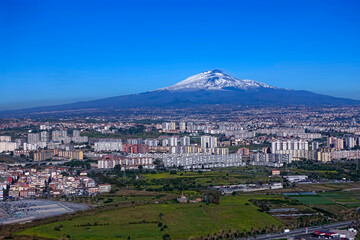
{"x":200,"y":120}
{"x":299,"y":154}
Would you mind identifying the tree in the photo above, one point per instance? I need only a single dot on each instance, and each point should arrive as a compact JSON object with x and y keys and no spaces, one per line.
{"x":166,"y":236}
{"x":217,"y":199}
{"x":158,"y":163}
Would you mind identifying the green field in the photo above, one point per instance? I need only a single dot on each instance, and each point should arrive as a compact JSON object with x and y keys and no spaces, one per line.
{"x":335,"y":202}
{"x":312,"y":200}
{"x":116,"y":199}
{"x":343,"y":197}
{"x":334,"y":209}
{"x":182,"y":175}
{"x":182,"y":220}
{"x":203,"y":179}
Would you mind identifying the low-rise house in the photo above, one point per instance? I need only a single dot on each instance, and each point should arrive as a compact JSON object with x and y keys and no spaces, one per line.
{"x":182,"y":199}
{"x":104,"y":188}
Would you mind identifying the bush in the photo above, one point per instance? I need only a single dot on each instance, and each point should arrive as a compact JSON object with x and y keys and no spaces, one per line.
{"x":109,"y":200}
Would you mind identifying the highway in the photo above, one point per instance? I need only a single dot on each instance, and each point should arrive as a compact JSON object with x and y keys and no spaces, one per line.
{"x":298,"y":231}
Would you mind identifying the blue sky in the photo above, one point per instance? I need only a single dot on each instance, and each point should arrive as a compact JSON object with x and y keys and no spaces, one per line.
{"x":63,"y":51}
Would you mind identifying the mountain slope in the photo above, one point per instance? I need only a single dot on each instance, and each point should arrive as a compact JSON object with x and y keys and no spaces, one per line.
{"x":211,"y":87}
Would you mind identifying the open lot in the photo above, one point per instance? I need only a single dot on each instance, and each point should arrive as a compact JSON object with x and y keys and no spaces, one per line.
{"x":28,"y":210}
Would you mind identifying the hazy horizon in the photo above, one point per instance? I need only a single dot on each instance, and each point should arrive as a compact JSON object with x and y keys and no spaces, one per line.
{"x":55,"y":101}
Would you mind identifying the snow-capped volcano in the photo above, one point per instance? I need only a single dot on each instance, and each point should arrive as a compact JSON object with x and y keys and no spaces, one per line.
{"x":215,"y":80}
{"x":207,"y":88}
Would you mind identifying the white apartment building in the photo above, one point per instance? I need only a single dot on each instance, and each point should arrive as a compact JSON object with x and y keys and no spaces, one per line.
{"x":199,"y":160}
{"x":185,"y":141}
{"x":173,"y":141}
{"x":168,"y":126}
{"x":129,"y":162}
{"x":77,"y":138}
{"x":270,"y":159}
{"x":170,"y":142}
{"x":208,"y":142}
{"x":350,"y":142}
{"x":151,"y":142}
{"x":7,"y":146}
{"x":60,"y":135}
{"x":5,"y":138}
{"x":44,"y":136}
{"x":182,"y":126}
{"x":108,"y":146}
{"x":33,"y":137}
{"x":289,"y":145}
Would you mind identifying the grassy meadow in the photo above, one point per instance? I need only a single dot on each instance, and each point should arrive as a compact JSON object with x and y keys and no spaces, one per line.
{"x":142,"y":222}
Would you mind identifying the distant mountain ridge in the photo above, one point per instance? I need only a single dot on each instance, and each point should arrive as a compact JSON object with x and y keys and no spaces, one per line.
{"x":210,"y":87}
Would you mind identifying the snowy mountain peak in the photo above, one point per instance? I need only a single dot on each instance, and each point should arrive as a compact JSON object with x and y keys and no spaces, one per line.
{"x":215,"y":80}
{"x":217,"y":71}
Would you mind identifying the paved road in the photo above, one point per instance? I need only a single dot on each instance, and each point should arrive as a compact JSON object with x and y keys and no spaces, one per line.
{"x":299,"y":231}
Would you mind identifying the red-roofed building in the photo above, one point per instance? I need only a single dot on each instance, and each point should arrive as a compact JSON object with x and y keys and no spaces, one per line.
{"x":324,"y":233}
{"x":275,"y":172}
